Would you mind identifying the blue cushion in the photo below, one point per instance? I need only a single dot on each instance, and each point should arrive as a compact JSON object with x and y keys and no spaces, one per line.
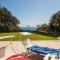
{"x":44,"y":50}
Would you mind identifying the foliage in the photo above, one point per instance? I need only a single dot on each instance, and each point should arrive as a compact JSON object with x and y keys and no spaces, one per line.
{"x":42,"y":28}
{"x":54,"y":25}
{"x":8,"y":22}
{"x":53,"y":28}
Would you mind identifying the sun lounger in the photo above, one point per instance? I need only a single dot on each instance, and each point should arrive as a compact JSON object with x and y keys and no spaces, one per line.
{"x":44,"y":50}
{"x":41,"y":50}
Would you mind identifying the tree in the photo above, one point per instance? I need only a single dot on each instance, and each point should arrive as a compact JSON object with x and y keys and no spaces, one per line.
{"x":42,"y":28}
{"x":54,"y":25}
{"x":8,"y":22}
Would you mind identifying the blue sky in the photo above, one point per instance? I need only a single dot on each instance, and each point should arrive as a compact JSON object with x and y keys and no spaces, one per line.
{"x":32,"y":12}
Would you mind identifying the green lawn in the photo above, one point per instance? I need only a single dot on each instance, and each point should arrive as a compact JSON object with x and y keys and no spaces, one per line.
{"x":18,"y":37}
{"x":42,"y":37}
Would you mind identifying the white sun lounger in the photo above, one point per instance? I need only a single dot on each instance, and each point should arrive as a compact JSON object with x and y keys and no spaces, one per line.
{"x":39,"y":49}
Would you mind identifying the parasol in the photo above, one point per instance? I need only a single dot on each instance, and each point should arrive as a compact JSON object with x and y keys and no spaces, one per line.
{"x":17,"y":57}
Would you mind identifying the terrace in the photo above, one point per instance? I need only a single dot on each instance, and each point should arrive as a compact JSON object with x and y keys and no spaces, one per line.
{"x":16,"y":47}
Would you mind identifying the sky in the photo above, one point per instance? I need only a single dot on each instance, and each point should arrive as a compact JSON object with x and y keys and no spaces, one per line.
{"x":32,"y":12}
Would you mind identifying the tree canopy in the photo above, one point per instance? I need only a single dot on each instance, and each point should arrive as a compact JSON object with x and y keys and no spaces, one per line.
{"x":54,"y":25}
{"x":8,"y":22}
{"x":42,"y":28}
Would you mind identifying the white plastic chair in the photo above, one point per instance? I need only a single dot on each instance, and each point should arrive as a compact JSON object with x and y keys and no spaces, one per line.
{"x":27,"y":44}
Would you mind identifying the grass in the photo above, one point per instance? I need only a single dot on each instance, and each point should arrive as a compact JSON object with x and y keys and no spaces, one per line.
{"x":18,"y":37}
{"x":42,"y":37}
